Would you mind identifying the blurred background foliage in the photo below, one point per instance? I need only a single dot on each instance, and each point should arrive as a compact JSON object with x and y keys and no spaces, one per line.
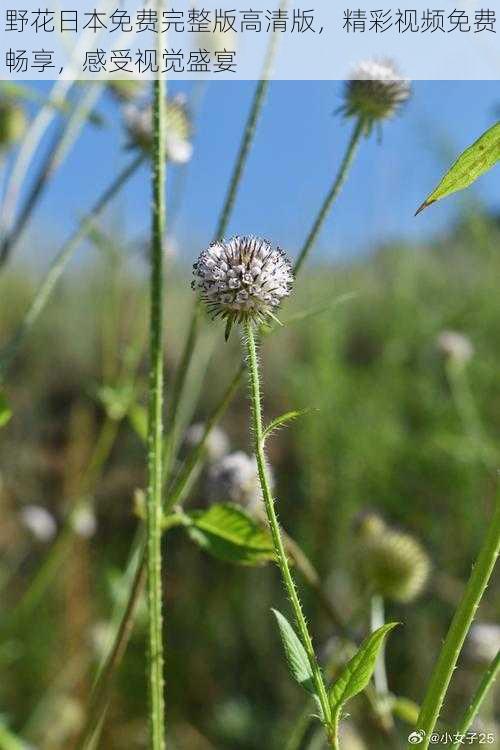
{"x":385,"y":434}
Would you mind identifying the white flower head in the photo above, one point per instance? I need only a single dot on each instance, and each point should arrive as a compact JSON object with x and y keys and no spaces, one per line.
{"x":243,"y":278}
{"x":39,"y":522}
{"x":139,"y":123}
{"x":483,"y":642}
{"x":216,"y":445}
{"x":235,"y":479}
{"x":375,"y":91}
{"x":455,"y":346}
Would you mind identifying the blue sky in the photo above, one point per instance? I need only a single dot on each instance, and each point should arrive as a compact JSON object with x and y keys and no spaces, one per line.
{"x":295,"y":155}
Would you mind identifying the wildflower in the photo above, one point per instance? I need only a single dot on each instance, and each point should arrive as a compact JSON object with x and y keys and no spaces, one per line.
{"x":39,"y":522}
{"x":374,"y":92}
{"x":455,"y":346}
{"x":483,"y":642}
{"x":216,"y":445}
{"x":393,"y":564}
{"x":12,"y":124}
{"x":235,"y":479}
{"x":243,"y":278}
{"x":83,"y":521}
{"x":139,"y":124}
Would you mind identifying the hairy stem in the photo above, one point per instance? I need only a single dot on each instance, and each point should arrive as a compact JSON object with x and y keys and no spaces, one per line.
{"x":281,"y":558}
{"x":155,"y":430}
{"x":462,"y":620}
{"x":333,"y":193}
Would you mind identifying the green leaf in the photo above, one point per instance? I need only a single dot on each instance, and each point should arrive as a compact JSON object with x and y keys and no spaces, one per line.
{"x":471,"y":164}
{"x":289,"y":416}
{"x":5,"y":411}
{"x":295,"y":654}
{"x":228,"y":533}
{"x":357,"y":673}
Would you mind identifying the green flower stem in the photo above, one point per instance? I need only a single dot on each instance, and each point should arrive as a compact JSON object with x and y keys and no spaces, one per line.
{"x":155,"y":430}
{"x":462,"y":620}
{"x":255,"y":399}
{"x":221,"y":228}
{"x":60,"y":262}
{"x":101,"y":691}
{"x":334,"y":192}
{"x":486,"y":683}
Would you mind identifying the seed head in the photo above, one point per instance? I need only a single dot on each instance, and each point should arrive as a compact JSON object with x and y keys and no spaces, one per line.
{"x":393,"y":564}
{"x":139,"y":123}
{"x":12,"y":124}
{"x":216,"y":445}
{"x":483,"y":642}
{"x":245,"y":277}
{"x":235,"y":479}
{"x":374,"y":92}
{"x":455,"y":346}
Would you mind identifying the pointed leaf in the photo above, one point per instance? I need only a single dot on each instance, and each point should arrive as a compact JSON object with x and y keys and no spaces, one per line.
{"x":5,"y":411}
{"x":228,"y":533}
{"x":289,"y":416}
{"x":471,"y":164}
{"x":295,"y":654}
{"x":357,"y":673}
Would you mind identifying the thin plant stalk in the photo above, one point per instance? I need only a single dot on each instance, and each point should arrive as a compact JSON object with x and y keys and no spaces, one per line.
{"x":60,"y":262}
{"x":155,"y":430}
{"x":484,"y":686}
{"x":332,"y":195}
{"x":62,"y":142}
{"x":281,"y":557}
{"x":462,"y":620}
{"x":221,"y":228}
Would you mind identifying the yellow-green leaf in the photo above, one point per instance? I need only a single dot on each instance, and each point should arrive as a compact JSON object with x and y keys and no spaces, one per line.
{"x":357,"y":673}
{"x":228,"y":533}
{"x":471,"y":164}
{"x":5,"y":411}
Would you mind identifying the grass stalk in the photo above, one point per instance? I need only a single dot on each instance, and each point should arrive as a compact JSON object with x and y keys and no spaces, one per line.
{"x":250,"y":349}
{"x":484,"y":686}
{"x":332,"y":195}
{"x":462,"y":620}
{"x":155,"y":430}
{"x":60,"y":262}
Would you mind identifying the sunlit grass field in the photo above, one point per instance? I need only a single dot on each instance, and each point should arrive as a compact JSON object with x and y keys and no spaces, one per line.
{"x":388,"y":430}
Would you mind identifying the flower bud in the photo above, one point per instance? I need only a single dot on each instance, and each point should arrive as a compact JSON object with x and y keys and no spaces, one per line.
{"x":235,"y":479}
{"x":139,"y":124}
{"x":374,"y":92}
{"x":392,"y":564}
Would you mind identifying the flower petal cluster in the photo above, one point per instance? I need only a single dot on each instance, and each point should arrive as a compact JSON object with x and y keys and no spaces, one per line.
{"x":375,"y":91}
{"x":234,"y":478}
{"x":245,"y":277}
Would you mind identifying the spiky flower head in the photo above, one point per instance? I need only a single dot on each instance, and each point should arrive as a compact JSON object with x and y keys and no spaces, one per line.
{"x":455,"y":346}
{"x":12,"y":124}
{"x":392,"y":563}
{"x":243,"y":278}
{"x":374,"y":92}
{"x":234,"y":478}
{"x":139,"y":123}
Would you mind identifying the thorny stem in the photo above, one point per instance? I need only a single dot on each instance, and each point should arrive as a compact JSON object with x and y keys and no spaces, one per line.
{"x":221,"y":228}
{"x":333,"y":193}
{"x":281,"y":558}
{"x":462,"y":620}
{"x":155,"y":429}
{"x":486,"y":683}
{"x":60,"y":262}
